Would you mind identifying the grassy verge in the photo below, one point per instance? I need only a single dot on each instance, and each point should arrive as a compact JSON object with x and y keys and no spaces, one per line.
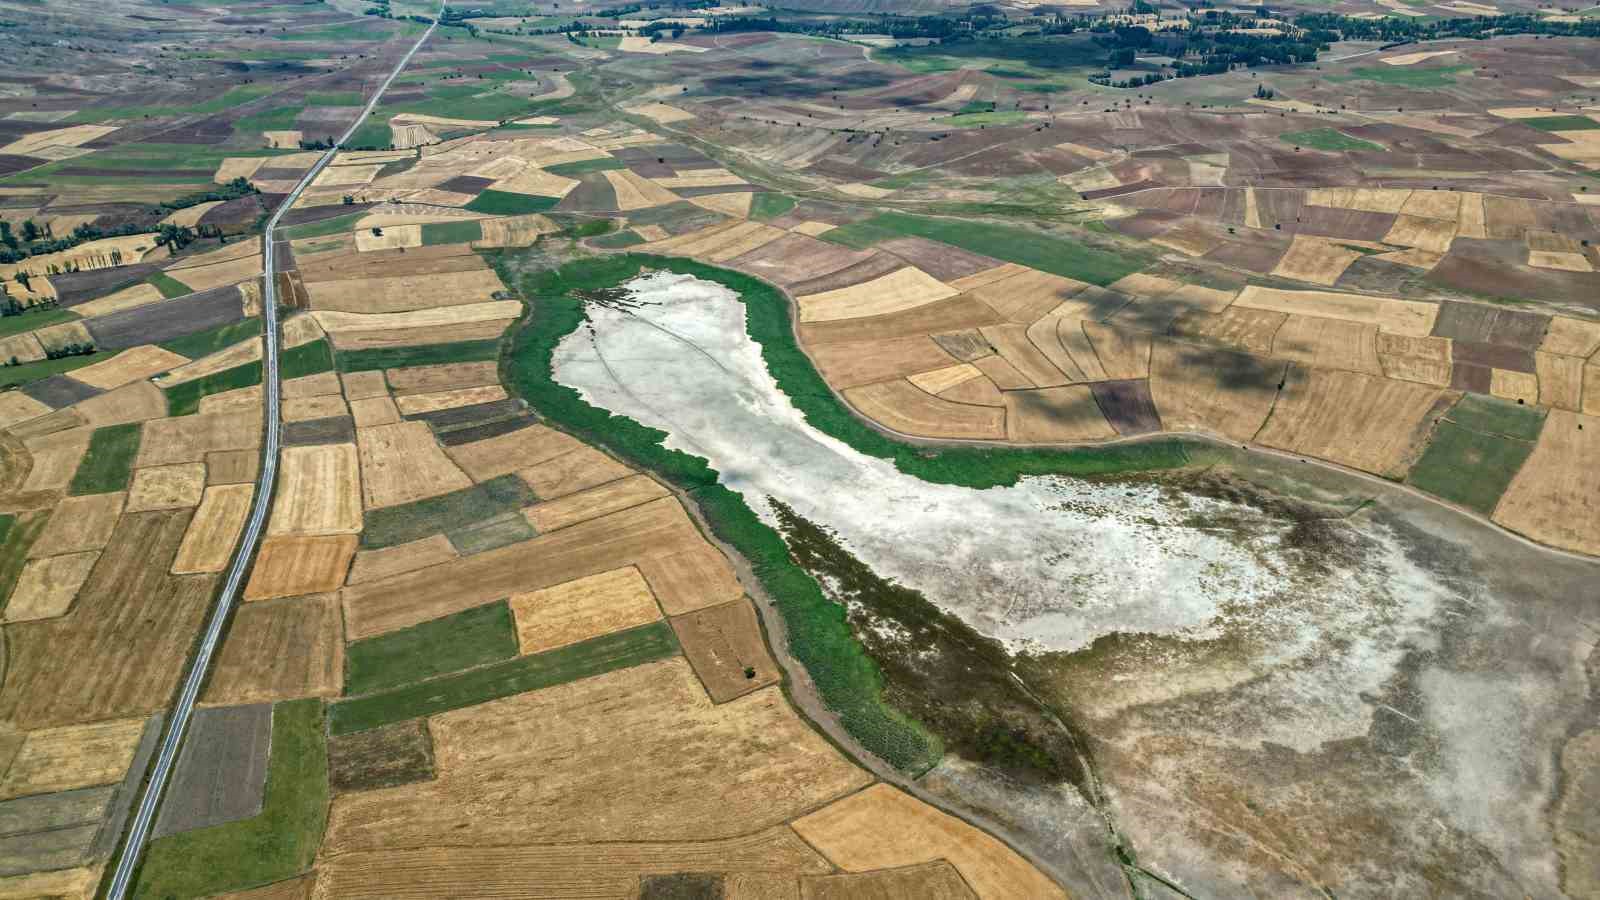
{"x":108,"y":464}
{"x":1036,"y":250}
{"x":819,"y":635}
{"x":34,"y":318}
{"x":168,"y":286}
{"x":425,"y":355}
{"x":184,"y":399}
{"x":205,"y":343}
{"x":597,"y":656}
{"x":280,"y":842}
{"x":506,"y":203}
{"x":474,"y":637}
{"x":451,"y":232}
{"x":306,"y":359}
{"x":393,"y":525}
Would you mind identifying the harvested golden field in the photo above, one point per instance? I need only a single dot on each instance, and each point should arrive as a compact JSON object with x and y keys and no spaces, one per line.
{"x":40,"y":142}
{"x":1560,"y":381}
{"x":416,"y":404}
{"x":635,"y":536}
{"x":1014,"y":343}
{"x":1239,"y":328}
{"x":854,"y":363}
{"x":724,"y":645}
{"x":506,"y":453}
{"x":1316,"y":260}
{"x":1055,"y":415}
{"x":435,"y":319}
{"x":634,"y":191}
{"x":140,"y":401}
{"x":625,"y":493}
{"x":1217,"y":391}
{"x":404,"y":293}
{"x":694,"y":577}
{"x":217,"y":274}
{"x":421,"y":335}
{"x":514,"y":231}
{"x":133,"y":364}
{"x":1369,"y":423}
{"x":208,"y":543}
{"x":401,"y":463}
{"x":364,"y":385}
{"x":190,"y":438}
{"x":560,"y":872}
{"x":1328,"y":343}
{"x":1417,"y":231}
{"x":1552,"y":497}
{"x":232,"y":466}
{"x":371,"y":565}
{"x":901,"y":406}
{"x":237,"y":355}
{"x":734,"y":768}
{"x":166,"y":487}
{"x":291,"y":566}
{"x":138,"y":647}
{"x":374,"y":411}
{"x":279,"y":650}
{"x":17,"y":407}
{"x":536,"y":182}
{"x":583,"y":608}
{"x":937,"y":381}
{"x":1522,"y":387}
{"x":391,"y":237}
{"x":1026,"y":295}
{"x":1421,"y":359}
{"x":1063,"y":341}
{"x":430,"y":379}
{"x":885,"y":828}
{"x":319,"y":491}
{"x":1572,"y":337}
{"x":929,"y":881}
{"x":577,"y":469}
{"x":47,"y":587}
{"x":61,"y":759}
{"x":70,"y":884}
{"x":304,"y":409}
{"x":1406,"y":317}
{"x":55,"y":459}
{"x":79,"y":523}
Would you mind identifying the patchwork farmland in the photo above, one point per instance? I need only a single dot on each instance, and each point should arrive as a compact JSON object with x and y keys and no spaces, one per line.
{"x":1265,"y":400}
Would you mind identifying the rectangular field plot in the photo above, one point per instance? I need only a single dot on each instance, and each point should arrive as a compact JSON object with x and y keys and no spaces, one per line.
{"x":221,"y":774}
{"x":393,"y":755}
{"x":1469,"y":467}
{"x":582,"y":609}
{"x":473,"y":637}
{"x":514,"y":676}
{"x":1552,"y":497}
{"x":280,"y":650}
{"x":723,"y":644}
{"x":108,"y":464}
{"x":448,"y":512}
{"x":1488,"y":415}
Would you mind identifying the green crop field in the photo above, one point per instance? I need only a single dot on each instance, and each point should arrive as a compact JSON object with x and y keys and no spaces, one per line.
{"x":451,"y":232}
{"x":306,"y":359}
{"x":1477,"y":450}
{"x":619,"y":650}
{"x":473,"y":637}
{"x":505,"y":203}
{"x":770,"y":205}
{"x":1491,"y":415}
{"x":1326,"y":139}
{"x":204,"y":343}
{"x":1405,"y":76}
{"x":108,"y":464}
{"x":278,"y":843}
{"x":973,"y":120}
{"x":168,"y":286}
{"x":1046,"y":253}
{"x":1561,"y":123}
{"x":21,"y":530}
{"x":34,"y":318}
{"x":391,"y":525}
{"x":574,"y":169}
{"x":27,"y":373}
{"x":324,"y":228}
{"x":184,"y":399}
{"x":424,"y":355}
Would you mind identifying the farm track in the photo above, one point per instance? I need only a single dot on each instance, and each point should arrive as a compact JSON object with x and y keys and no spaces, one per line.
{"x":150,"y":798}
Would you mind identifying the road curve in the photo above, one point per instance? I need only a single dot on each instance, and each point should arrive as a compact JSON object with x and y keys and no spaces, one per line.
{"x":177,"y":726}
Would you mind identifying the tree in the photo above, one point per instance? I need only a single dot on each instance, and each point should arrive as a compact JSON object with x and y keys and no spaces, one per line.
{"x":22,"y":279}
{"x":30,"y":231}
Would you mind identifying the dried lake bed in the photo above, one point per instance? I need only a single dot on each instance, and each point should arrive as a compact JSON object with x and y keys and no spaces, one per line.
{"x":1384,"y":710}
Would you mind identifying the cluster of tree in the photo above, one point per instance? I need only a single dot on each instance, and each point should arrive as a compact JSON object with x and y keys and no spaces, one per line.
{"x":380,"y":8}
{"x":1405,"y":30}
{"x":233,"y":190}
{"x":12,"y":250}
{"x":326,"y":143}
{"x":174,"y":237}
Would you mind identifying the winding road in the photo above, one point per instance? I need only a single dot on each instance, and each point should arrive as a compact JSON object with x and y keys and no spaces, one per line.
{"x":183,"y":710}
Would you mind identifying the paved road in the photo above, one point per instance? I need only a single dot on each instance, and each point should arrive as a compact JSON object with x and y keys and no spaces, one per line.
{"x":139,"y":833}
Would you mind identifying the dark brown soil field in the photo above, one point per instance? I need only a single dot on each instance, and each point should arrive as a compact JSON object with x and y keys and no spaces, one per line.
{"x":1127,"y":406}
{"x":59,"y":390}
{"x":872,"y":267}
{"x":942,"y":261}
{"x":307,"y":214}
{"x":463,"y":416}
{"x":1468,"y":377}
{"x":487,"y":430}
{"x":221,"y":774}
{"x":593,"y":192}
{"x":331,"y":430}
{"x":115,"y":654}
{"x":724,"y":645}
{"x":77,"y":287}
{"x":1499,"y":356}
{"x":169,"y":319}
{"x":466,"y":184}
{"x":1476,"y":323}
{"x":794,"y":258}
{"x":388,"y":756}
